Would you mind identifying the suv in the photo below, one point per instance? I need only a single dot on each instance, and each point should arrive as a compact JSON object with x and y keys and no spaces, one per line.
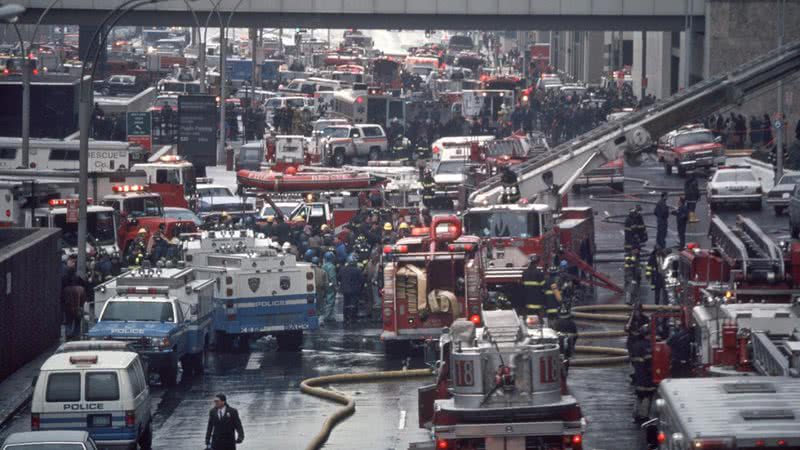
{"x":346,"y":142}
{"x":690,"y":147}
{"x":120,"y":84}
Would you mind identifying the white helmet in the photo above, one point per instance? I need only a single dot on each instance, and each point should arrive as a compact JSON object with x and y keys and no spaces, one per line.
{"x":286,"y":246}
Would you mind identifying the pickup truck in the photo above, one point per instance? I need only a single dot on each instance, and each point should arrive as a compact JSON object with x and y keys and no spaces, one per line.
{"x":691,"y":147}
{"x":165,"y":315}
{"x":347,"y":142}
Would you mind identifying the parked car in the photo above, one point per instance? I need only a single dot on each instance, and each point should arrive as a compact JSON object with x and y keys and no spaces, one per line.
{"x":691,"y":147}
{"x":778,"y":197}
{"x":215,"y":197}
{"x":182,"y":214}
{"x":50,"y":440}
{"x":120,"y":84}
{"x":354,"y":141}
{"x":734,"y":186}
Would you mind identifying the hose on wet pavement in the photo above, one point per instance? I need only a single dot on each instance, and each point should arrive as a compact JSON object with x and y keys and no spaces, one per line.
{"x":587,"y":312}
{"x":311,"y":387}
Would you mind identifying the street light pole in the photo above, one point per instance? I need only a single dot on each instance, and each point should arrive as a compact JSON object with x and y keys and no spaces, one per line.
{"x":26,"y":98}
{"x":779,"y":120}
{"x":223,"y":89}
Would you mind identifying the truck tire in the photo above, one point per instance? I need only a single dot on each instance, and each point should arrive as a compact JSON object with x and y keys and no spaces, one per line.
{"x":146,"y":438}
{"x":339,"y":158}
{"x":667,"y":169}
{"x":290,"y":341}
{"x":169,"y":377}
{"x":374,"y":153}
{"x":397,"y":348}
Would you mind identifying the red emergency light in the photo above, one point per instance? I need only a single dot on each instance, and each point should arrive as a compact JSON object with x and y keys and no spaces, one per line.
{"x":128,"y":188}
{"x":420,"y":231}
{"x":170,"y":158}
{"x":57,"y":202}
{"x":475,"y":319}
{"x":360,"y":100}
{"x":442,"y":444}
{"x":460,"y":247}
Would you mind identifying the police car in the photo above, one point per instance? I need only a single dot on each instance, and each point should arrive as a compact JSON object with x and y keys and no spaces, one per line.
{"x":102,"y":392}
{"x":734,"y":185}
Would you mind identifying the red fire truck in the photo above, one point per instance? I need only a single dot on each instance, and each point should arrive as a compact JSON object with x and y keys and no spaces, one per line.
{"x":173,"y":178}
{"x":430,"y":279}
{"x":137,"y":208}
{"x":497,"y":389}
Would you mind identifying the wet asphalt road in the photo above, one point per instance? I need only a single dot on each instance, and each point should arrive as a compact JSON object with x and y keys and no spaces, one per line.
{"x":263,"y":384}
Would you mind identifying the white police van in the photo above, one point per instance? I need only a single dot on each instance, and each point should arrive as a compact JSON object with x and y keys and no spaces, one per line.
{"x":102,"y":392}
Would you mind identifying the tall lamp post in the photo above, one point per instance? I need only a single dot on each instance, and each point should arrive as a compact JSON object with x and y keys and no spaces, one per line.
{"x":223,"y":67}
{"x":85,"y":114}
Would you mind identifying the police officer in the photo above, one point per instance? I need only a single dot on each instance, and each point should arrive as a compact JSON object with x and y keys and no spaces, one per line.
{"x":661,"y":212}
{"x":642,"y":360}
{"x":635,"y":231}
{"x":653,"y":272}
{"x":681,"y":219}
{"x":428,"y":188}
{"x":329,"y":266}
{"x":533,"y":283}
{"x":510,"y":186}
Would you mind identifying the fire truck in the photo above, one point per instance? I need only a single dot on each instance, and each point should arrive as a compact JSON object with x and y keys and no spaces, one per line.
{"x":498,"y":389}
{"x":101,"y":225}
{"x":173,"y":178}
{"x":262,"y":291}
{"x":430,"y":279}
{"x":138,"y":208}
{"x":727,"y":413}
{"x":166,"y":314}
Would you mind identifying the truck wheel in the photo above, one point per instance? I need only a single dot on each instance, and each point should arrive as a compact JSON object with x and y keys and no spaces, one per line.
{"x":397,"y":348}
{"x":779,"y":210}
{"x":619,"y":187}
{"x":146,"y":439}
{"x":338,"y":158}
{"x":667,"y":169}
{"x":290,"y":341}
{"x":374,"y":153}
{"x":169,"y":376}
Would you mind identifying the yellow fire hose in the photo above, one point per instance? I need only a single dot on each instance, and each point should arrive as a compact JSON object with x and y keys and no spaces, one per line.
{"x":581,"y":312}
{"x":310,"y":387}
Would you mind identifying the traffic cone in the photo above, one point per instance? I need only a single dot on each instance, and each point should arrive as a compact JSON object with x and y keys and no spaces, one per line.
{"x":693,"y":217}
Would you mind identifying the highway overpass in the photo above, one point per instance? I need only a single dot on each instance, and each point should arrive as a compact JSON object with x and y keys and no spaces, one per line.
{"x":605,"y":15}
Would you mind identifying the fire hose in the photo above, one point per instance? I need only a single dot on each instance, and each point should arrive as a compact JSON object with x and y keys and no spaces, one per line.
{"x":311,"y":387}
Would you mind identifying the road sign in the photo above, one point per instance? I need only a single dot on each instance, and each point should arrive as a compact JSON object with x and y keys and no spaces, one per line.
{"x":139,"y":126}
{"x":777,"y":124}
{"x":197,"y":130}
{"x":72,"y":211}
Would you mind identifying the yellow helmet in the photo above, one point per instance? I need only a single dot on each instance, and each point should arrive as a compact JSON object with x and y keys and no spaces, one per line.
{"x":298,"y":219}
{"x":403,"y":226}
{"x":387,"y":226}
{"x":324,"y":227}
{"x":270,"y":218}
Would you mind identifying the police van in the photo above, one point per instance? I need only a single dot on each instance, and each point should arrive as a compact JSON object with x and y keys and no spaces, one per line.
{"x":102,"y":392}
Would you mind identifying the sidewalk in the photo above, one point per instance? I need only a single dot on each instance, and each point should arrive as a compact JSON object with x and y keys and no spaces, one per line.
{"x":16,"y":390}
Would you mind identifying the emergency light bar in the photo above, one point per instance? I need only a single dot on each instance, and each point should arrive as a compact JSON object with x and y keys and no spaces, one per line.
{"x":127,"y":188}
{"x":387,"y":249}
{"x":55,"y":202}
{"x":85,"y":359}
{"x":420,"y":231}
{"x":460,"y":247}
{"x":170,"y":158}
{"x":147,"y":290}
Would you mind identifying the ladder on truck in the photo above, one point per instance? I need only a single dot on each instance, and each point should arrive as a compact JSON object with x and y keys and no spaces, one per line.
{"x":779,"y":359}
{"x":753,"y":252}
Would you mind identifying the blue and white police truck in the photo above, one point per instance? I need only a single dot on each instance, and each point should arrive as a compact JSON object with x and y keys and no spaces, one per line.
{"x":263,"y":291}
{"x":166,"y":314}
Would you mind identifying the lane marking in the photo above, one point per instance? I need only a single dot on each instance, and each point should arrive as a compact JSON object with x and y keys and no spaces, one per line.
{"x":402,"y":424}
{"x":254,"y":363}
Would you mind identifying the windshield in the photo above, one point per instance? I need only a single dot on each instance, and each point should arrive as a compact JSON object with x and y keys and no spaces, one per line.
{"x":503,"y":224}
{"x":729,"y":176}
{"x":183,"y":214}
{"x":295,"y":103}
{"x":138,"y":311}
{"x":702,"y":137}
{"x":192,"y":88}
{"x":336,"y":132}
{"x":422,"y":71}
{"x":215,"y":192}
{"x":789,"y":179}
{"x":143,"y":207}
{"x":99,"y":225}
{"x":173,"y":87}
{"x":450,"y":167}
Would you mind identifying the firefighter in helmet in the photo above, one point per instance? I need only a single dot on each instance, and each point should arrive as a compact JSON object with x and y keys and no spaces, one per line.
{"x":642,"y":361}
{"x":510,"y":186}
{"x":533,"y":283}
{"x":635,"y":231}
{"x":403,"y":230}
{"x":428,"y":188}
{"x":137,"y":249}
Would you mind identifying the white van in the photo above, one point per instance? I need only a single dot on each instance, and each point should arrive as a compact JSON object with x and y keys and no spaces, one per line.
{"x":102,"y":392}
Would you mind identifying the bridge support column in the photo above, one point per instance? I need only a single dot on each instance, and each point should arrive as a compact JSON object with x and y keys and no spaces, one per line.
{"x":85,"y":33}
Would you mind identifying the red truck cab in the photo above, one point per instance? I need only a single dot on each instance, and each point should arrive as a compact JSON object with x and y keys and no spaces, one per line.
{"x":690,"y":147}
{"x":173,"y":178}
{"x":137,"y":209}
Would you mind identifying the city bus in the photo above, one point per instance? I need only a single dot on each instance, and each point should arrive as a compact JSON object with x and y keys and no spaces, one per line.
{"x":368,"y":107}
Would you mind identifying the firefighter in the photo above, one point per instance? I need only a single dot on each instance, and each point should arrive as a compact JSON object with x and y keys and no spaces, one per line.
{"x":661,"y":212}
{"x":632,"y":265}
{"x":428,"y":189}
{"x":403,"y":230}
{"x":352,"y":285}
{"x":635,"y":231}
{"x":653,"y":272}
{"x":691,"y":192}
{"x":327,"y":313}
{"x":510,"y":186}
{"x":681,"y":218}
{"x":137,"y":249}
{"x":680,"y":344}
{"x":567,"y":330}
{"x":533,"y":281}
{"x":552,"y":302}
{"x":642,"y":362}
{"x":388,"y":234}
{"x":635,"y":323}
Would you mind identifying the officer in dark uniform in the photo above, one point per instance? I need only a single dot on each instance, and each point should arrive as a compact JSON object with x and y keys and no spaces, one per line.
{"x":428,"y":189}
{"x":533,"y":281}
{"x":635,"y":323}
{"x":635,"y":231}
{"x":510,"y":186}
{"x":653,"y":272}
{"x":642,"y":360}
{"x":661,"y":212}
{"x":223,"y":426}
{"x":680,"y":344}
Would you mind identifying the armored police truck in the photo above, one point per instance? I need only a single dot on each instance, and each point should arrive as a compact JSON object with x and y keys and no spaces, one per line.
{"x":165,"y":314}
{"x":263,"y":291}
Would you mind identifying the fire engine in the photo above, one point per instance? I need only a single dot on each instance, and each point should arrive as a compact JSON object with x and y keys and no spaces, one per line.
{"x":497,"y":389}
{"x":173,"y":178}
{"x":166,"y":314}
{"x":101,"y":224}
{"x":262,"y":291}
{"x":727,"y":413}
{"x":137,"y":208}
{"x":430,"y":279}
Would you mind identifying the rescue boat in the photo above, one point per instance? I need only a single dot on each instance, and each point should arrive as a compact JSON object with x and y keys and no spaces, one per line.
{"x":293,"y":180}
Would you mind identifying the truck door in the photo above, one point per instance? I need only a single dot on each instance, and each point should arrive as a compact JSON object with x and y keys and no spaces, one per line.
{"x":358,"y":141}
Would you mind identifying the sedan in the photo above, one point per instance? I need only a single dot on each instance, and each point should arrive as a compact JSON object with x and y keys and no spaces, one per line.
{"x":778,"y":197}
{"x":50,"y":440}
{"x":734,"y":185}
{"x":217,"y":198}
{"x":182,"y":214}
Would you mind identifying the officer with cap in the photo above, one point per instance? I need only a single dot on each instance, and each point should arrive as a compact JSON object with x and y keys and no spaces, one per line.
{"x":533,"y":283}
